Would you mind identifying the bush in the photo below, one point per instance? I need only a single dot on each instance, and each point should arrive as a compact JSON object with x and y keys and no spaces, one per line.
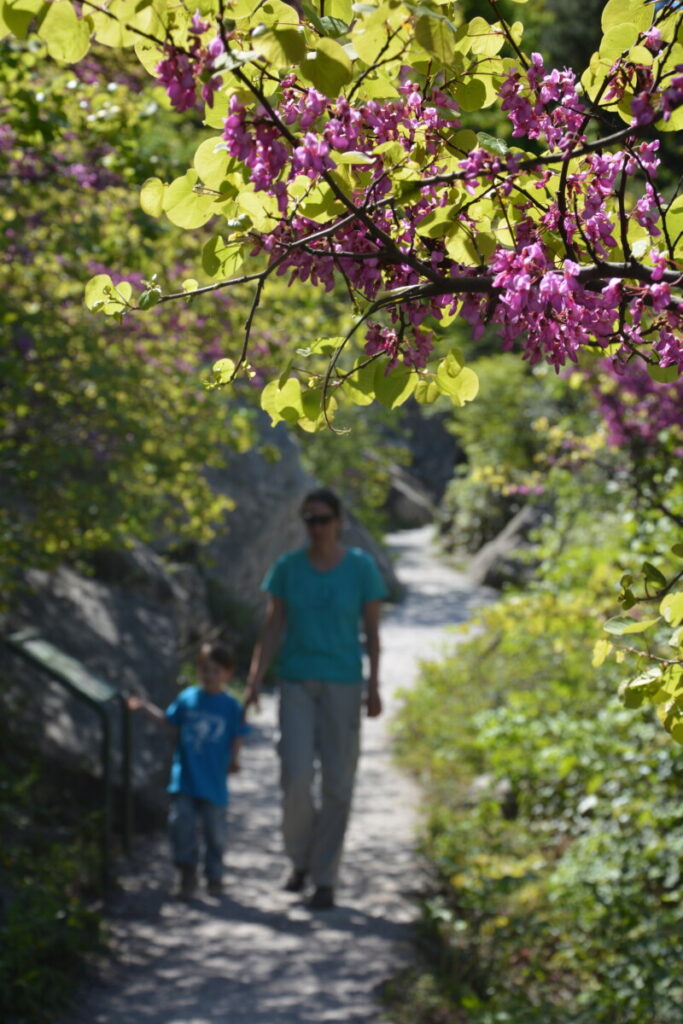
{"x":555,"y":830}
{"x":47,"y":921}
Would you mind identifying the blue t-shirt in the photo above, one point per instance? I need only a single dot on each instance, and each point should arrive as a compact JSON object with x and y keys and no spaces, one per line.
{"x":323,"y":610}
{"x":207,"y":723}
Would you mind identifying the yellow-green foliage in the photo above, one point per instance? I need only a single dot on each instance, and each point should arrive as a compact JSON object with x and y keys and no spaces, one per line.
{"x":554,"y":827}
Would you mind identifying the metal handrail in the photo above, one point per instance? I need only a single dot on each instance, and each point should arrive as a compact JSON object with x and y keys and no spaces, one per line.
{"x":98,"y":695}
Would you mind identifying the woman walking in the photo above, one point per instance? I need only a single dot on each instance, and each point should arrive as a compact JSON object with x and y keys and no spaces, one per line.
{"x":319,"y":597}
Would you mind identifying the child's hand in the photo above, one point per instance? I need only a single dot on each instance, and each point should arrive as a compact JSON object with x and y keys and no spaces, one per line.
{"x":135,"y":703}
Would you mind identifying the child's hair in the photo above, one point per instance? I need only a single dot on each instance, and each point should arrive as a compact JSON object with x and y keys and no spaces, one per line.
{"x":218,"y":653}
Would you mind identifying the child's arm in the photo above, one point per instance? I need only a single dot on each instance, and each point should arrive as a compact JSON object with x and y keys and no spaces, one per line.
{"x":152,"y":711}
{"x":235,"y":751}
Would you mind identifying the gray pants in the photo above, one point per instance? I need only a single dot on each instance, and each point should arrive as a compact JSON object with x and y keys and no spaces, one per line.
{"x":318,"y":719}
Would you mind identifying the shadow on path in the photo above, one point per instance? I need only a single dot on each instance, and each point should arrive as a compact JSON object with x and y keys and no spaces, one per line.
{"x":258,"y":955}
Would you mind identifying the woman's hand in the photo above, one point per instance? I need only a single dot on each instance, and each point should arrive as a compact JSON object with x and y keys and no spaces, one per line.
{"x":251,"y":696}
{"x":373,"y":703}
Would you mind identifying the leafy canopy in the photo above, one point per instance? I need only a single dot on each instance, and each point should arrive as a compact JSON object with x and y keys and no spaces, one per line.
{"x":345,"y":151}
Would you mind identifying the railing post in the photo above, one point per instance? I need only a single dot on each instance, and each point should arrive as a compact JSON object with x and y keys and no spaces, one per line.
{"x":126,"y":777}
{"x":107,"y":782}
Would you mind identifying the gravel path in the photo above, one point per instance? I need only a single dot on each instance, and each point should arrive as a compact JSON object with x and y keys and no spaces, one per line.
{"x":258,"y":955}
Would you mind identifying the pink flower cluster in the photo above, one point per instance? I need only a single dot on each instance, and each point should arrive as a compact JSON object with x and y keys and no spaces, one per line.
{"x":182,"y":71}
{"x":634,"y":408}
{"x":557,"y":222}
{"x":544,"y":106}
{"x":672,"y":97}
{"x":549,"y":307}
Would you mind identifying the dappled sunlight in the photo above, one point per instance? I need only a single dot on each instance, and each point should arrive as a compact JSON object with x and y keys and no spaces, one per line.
{"x":258,"y":955}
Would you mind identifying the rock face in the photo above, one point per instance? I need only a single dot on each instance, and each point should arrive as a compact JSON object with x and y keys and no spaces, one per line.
{"x":138,"y":620}
{"x":266,"y":523}
{"x":434,"y":452}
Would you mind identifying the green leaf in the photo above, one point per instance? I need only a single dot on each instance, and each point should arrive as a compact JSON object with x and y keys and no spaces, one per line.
{"x":322,"y":346}
{"x":617,"y":40}
{"x":114,"y":32}
{"x":394,"y":387}
{"x":617,"y":12}
{"x":663,"y":374}
{"x":262,"y":209}
{"x":152,"y":197}
{"x":224,"y":371}
{"x":66,"y":36}
{"x":103,"y":296}
{"x":677,"y":732}
{"x":281,"y":47}
{"x":211,"y":162}
{"x":486,"y":40}
{"x":18,"y":15}
{"x":220,"y":259}
{"x":148,"y":53}
{"x":150,"y":297}
{"x":437,"y":36}
{"x":360,"y":385}
{"x":456,"y":380}
{"x":470,"y":93}
{"x":184,"y":207}
{"x":460,"y":247}
{"x":652,"y":573}
{"x":632,"y":692}
{"x":328,"y":67}
{"x":283,"y":401}
{"x":491,"y":144}
{"x":352,"y":156}
{"x":619,"y":625}
{"x":426,"y":391}
{"x":671,"y":609}
{"x":371,"y":36}
{"x":601,"y":651}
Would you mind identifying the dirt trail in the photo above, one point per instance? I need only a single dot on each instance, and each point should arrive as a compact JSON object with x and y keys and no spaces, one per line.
{"x":258,"y":955}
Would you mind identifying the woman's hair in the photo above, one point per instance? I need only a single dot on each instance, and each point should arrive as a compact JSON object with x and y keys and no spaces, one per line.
{"x":327,"y":497}
{"x":218,"y":653}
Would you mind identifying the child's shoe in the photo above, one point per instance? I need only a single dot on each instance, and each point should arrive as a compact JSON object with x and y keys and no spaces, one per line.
{"x":214,"y":887}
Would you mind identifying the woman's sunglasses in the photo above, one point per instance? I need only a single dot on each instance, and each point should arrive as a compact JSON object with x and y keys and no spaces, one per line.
{"x":317,"y":520}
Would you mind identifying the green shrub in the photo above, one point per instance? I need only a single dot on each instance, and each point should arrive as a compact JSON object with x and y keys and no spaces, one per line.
{"x":47,"y":921}
{"x":555,"y":829}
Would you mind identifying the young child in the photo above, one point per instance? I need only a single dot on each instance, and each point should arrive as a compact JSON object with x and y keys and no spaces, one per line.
{"x":209,"y":725}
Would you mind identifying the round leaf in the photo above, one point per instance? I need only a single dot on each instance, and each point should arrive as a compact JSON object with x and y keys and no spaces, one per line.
{"x":328,"y":67}
{"x":66,"y":36}
{"x":152,"y":197}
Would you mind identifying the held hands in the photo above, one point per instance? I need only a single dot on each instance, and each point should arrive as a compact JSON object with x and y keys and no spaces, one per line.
{"x":251,"y":696}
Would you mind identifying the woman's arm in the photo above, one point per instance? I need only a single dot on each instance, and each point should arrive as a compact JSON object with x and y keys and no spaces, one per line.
{"x":371,"y":611}
{"x":265,"y":649}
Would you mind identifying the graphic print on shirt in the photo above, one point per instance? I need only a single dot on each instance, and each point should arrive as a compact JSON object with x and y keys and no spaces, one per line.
{"x":200,"y":728}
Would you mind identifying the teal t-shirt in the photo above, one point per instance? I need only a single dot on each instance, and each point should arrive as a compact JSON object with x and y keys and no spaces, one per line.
{"x":324,"y":609}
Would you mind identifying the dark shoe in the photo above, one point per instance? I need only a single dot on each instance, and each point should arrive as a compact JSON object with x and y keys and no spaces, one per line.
{"x":214,"y":887}
{"x":322,"y":898}
{"x":188,"y":882}
{"x":296,"y":881}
